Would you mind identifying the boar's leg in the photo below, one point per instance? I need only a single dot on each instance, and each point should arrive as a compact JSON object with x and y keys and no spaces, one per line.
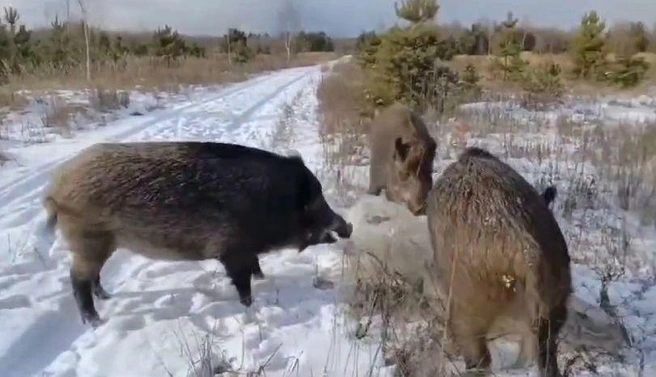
{"x":549,"y":194}
{"x":527,"y":348}
{"x":548,"y":330}
{"x":89,"y":254}
{"x":84,"y":298}
{"x":470,"y":336}
{"x":374,"y":189}
{"x":256,"y":270}
{"x":240,"y":270}
{"x":98,"y":289}
{"x":376,"y":181}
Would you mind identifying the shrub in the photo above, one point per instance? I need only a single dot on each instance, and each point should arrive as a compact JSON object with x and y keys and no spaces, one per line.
{"x":408,"y":67}
{"x":104,"y":100}
{"x":542,"y":85}
{"x":508,"y":58}
{"x":367,"y":46}
{"x":588,"y":50}
{"x":628,"y":71}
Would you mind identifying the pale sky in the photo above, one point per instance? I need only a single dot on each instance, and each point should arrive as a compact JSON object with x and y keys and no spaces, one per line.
{"x":336,"y":17}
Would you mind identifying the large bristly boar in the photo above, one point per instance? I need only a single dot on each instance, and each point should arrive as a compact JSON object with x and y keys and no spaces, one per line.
{"x":185,"y":201}
{"x":402,"y":154}
{"x":498,"y":252}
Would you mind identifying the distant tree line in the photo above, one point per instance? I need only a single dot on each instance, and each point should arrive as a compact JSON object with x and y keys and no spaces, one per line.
{"x":410,"y":64}
{"x":484,"y":37}
{"x":61,"y":47}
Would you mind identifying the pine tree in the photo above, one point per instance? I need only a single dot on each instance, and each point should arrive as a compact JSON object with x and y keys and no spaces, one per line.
{"x":510,"y":48}
{"x":417,"y":11}
{"x":11,"y":18}
{"x":589,"y":48}
{"x":168,"y":44}
{"x":407,"y":64}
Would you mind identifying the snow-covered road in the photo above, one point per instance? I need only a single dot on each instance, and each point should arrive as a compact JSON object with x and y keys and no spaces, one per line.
{"x":166,"y":318}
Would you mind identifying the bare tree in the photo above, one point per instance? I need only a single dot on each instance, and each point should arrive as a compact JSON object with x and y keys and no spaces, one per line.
{"x":85,"y":24}
{"x":289,"y":22}
{"x":229,"y":43}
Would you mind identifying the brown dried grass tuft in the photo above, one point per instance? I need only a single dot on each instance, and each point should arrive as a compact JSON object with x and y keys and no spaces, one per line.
{"x":152,"y":73}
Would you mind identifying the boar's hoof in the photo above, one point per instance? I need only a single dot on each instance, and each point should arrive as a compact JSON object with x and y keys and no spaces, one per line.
{"x":91,"y":318}
{"x":475,"y":373}
{"x":349,"y":231}
{"x":258,"y":275}
{"x":256,"y":271}
{"x":100,"y":292}
{"x":246,"y":301}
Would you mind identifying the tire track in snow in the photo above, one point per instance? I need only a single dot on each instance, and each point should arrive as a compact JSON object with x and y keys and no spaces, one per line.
{"x":56,"y":324}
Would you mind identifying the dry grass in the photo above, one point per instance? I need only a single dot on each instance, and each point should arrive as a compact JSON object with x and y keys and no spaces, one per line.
{"x":58,"y":115}
{"x":104,"y":100}
{"x":344,"y":120}
{"x":341,"y":98}
{"x":11,"y":100}
{"x":152,"y":73}
{"x":108,"y":90}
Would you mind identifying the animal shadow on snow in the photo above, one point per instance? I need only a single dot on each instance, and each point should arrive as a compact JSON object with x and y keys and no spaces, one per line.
{"x":53,"y":331}
{"x":209,"y":293}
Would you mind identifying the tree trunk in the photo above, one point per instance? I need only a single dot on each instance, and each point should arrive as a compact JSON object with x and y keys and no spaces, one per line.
{"x":85,"y":25}
{"x":86,"y":42}
{"x":229,"y":49}
{"x":288,"y":47}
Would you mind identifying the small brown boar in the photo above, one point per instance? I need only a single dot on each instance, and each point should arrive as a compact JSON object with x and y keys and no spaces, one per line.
{"x":498,"y":252}
{"x":185,"y":201}
{"x":402,"y":154}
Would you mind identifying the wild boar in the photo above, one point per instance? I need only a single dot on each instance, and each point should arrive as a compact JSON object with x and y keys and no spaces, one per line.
{"x":402,"y":154}
{"x":185,"y":201}
{"x":498,"y":252}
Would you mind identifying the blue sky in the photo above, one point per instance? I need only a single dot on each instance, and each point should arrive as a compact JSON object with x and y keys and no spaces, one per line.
{"x":337,"y":17}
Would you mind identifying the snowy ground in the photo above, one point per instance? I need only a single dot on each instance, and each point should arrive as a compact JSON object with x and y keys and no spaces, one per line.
{"x":166,"y":317}
{"x":169,"y":319}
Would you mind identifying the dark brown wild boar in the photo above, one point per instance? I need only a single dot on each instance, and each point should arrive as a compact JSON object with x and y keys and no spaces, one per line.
{"x":402,"y":154}
{"x":498,"y":252}
{"x":185,"y":201}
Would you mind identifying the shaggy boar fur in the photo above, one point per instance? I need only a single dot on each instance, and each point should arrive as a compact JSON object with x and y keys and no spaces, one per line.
{"x":389,"y":240}
{"x":498,"y":252}
{"x":185,"y":201}
{"x":402,"y":153}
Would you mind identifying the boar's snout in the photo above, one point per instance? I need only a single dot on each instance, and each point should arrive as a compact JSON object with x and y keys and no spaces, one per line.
{"x":418,"y":209}
{"x":323,"y":227}
{"x":341,"y":227}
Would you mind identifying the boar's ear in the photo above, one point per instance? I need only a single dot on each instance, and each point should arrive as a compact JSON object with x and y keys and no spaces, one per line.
{"x":549,"y":194}
{"x":401,"y":149}
{"x":294,"y":153}
{"x":431,"y":145}
{"x":305,"y":190}
{"x":296,"y":156}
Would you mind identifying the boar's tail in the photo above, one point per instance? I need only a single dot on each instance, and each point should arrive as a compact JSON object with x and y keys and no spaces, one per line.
{"x":54,"y":208}
{"x":51,"y":208}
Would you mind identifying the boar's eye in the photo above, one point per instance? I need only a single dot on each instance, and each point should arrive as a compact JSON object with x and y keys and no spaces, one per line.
{"x":314,"y":204}
{"x":309,"y":190}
